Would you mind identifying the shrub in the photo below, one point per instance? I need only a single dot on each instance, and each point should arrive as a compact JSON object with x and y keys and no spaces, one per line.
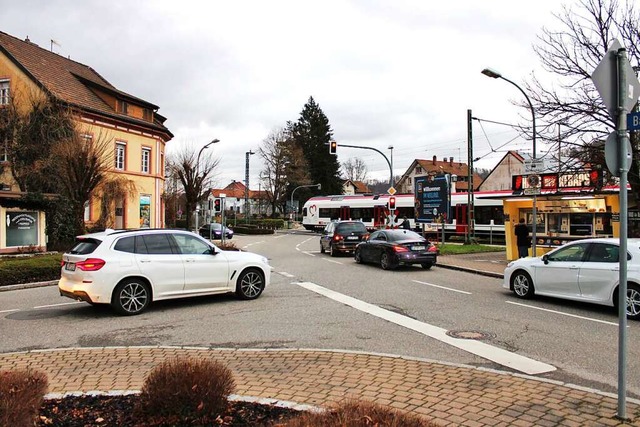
{"x":228,"y":246}
{"x":357,"y":413}
{"x":26,"y":269}
{"x":251,"y":229}
{"x":184,"y":388}
{"x":21,"y":395}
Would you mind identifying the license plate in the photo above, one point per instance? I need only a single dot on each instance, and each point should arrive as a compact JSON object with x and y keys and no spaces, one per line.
{"x":418,"y":248}
{"x":353,"y":238}
{"x":70,"y":266}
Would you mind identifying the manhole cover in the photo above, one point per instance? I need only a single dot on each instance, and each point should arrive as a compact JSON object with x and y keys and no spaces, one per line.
{"x":471,"y":335}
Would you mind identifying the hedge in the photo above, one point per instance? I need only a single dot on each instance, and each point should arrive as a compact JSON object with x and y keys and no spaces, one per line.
{"x":28,"y":269}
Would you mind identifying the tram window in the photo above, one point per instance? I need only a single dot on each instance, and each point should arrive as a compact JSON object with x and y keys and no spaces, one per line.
{"x":331,"y":213}
{"x":484,"y":215}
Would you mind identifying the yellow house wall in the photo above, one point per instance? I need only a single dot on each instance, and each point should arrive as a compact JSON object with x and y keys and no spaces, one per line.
{"x":151,"y":183}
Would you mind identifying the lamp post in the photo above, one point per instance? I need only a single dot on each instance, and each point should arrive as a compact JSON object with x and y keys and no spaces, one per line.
{"x":246,"y":186}
{"x":302,"y":186}
{"x":393,"y":179}
{"x":496,"y":75}
{"x":198,"y":172}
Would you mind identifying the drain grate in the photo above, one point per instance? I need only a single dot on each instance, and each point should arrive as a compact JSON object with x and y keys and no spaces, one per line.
{"x":471,"y":335}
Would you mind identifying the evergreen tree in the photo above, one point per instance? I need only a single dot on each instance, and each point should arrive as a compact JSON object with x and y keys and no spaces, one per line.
{"x":312,"y":133}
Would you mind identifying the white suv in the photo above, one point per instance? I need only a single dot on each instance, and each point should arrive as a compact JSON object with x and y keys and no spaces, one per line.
{"x":130,"y":268}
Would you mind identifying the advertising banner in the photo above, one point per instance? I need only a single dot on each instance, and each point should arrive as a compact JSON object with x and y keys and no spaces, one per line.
{"x":22,"y":228}
{"x":432,"y":198}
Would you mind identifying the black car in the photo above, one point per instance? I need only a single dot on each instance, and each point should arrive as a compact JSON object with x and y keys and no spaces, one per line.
{"x":214,"y":231}
{"x":392,"y":248}
{"x":342,"y":236}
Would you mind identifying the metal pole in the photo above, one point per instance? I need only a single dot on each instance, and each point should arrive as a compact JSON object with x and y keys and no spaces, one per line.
{"x":623,"y":140}
{"x":393,"y":181}
{"x":469,"y":176}
{"x":378,"y":151}
{"x":246,"y":186}
{"x":198,"y":172}
{"x":294,"y":190}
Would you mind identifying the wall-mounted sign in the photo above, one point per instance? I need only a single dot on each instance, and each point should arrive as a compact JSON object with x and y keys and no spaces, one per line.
{"x":22,"y":228}
{"x":432,"y":198}
{"x":589,"y":179}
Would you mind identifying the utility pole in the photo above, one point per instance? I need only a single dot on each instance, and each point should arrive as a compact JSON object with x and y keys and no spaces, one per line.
{"x":470,"y":215}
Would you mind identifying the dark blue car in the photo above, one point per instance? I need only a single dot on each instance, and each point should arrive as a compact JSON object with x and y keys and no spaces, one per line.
{"x":214,"y":231}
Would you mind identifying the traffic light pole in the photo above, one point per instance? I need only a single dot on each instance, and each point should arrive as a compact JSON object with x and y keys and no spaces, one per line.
{"x":378,"y":151}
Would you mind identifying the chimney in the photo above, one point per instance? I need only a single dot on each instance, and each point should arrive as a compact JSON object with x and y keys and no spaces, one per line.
{"x":434,"y":160}
{"x":451,"y":161}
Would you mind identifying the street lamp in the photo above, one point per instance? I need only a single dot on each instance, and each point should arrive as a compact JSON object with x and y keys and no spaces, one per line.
{"x":198,"y":172}
{"x":246,"y":186}
{"x":393,"y":179}
{"x":302,"y":186}
{"x":496,"y":75}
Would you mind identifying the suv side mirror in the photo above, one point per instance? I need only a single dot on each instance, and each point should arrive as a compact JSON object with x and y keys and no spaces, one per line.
{"x":545,"y":258}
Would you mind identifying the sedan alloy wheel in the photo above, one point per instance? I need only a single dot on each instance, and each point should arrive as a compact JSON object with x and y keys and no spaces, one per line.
{"x":522,"y":284}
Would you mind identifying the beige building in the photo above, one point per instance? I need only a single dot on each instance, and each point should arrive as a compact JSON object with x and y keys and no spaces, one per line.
{"x":420,"y":167}
{"x":131,"y":125}
{"x":500,"y":177}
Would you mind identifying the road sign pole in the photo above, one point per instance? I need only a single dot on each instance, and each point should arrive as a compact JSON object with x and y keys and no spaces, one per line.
{"x":622,"y":287}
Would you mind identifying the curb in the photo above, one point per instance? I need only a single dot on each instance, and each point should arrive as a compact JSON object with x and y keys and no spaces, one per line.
{"x":28,"y":285}
{"x":471,"y":270}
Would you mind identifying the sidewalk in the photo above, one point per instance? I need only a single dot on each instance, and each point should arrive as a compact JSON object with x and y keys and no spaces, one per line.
{"x":447,"y":393}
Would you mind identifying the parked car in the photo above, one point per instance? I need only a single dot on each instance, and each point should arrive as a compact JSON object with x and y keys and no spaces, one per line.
{"x":131,"y":268}
{"x":342,"y":236}
{"x":214,"y":231}
{"x":392,"y":248}
{"x":585,"y":270}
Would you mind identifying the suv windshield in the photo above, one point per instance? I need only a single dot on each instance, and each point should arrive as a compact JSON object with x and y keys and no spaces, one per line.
{"x":351,"y":227}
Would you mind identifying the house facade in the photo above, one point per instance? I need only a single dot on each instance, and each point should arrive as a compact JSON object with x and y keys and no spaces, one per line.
{"x":350,"y":187}
{"x":499,"y":179}
{"x":132,"y":126}
{"x":421,"y":168}
{"x":234,"y":205}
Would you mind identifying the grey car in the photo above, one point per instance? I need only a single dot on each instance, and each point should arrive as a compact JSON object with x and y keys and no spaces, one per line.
{"x":342,"y":237}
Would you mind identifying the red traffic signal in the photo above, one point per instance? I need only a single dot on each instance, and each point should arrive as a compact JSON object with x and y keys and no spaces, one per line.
{"x":333,"y":147}
{"x":217,"y":204}
{"x":392,"y":203}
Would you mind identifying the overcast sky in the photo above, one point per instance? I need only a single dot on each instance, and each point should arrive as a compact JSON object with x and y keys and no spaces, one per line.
{"x":401,"y":73}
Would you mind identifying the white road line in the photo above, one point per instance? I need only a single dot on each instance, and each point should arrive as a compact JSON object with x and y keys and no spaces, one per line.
{"x":330,"y":260}
{"x":302,"y":243}
{"x":280,"y":236}
{"x":442,"y":287}
{"x":57,"y":305}
{"x":564,"y":314}
{"x":495,"y":354}
{"x":285,"y":274}
{"x":307,"y":253}
{"x":10,"y":311}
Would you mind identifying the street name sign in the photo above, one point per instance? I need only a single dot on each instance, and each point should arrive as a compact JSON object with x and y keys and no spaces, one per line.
{"x":633,"y":121}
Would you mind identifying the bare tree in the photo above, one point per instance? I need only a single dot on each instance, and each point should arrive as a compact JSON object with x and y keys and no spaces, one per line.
{"x":284,"y":166}
{"x":571,"y":112}
{"x":355,"y":169}
{"x":196,"y":178}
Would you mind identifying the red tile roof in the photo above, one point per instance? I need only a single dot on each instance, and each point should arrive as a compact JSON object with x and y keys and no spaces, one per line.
{"x":70,"y":81}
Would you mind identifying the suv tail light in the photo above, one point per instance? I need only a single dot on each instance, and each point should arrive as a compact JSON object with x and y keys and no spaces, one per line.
{"x":91,"y":264}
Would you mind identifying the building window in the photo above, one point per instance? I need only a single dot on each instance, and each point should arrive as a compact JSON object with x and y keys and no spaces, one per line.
{"x":124,"y":107}
{"x":4,"y":92}
{"x":120,"y":155}
{"x":162,"y":171}
{"x":146,"y":156}
{"x":147,"y":115}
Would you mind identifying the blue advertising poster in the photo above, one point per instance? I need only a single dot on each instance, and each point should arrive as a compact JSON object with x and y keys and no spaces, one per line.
{"x":432,"y":198}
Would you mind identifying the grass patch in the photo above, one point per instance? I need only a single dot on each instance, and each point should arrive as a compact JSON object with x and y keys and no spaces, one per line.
{"x":454,"y":249}
{"x":29,"y":268}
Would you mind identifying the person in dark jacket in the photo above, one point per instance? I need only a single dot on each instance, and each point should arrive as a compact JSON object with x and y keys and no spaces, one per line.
{"x":522,"y":239}
{"x":406,"y":224}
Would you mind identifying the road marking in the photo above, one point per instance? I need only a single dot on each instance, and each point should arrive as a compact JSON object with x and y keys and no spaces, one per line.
{"x":307,"y":253}
{"x":302,"y":243}
{"x":495,"y":354}
{"x":280,"y":236}
{"x":57,"y":305}
{"x":330,"y":260}
{"x":10,"y":311}
{"x":442,"y":287}
{"x":285,"y":274}
{"x":564,"y":314}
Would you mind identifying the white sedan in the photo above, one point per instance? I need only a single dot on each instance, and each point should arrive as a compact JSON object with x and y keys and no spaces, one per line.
{"x":585,"y":270}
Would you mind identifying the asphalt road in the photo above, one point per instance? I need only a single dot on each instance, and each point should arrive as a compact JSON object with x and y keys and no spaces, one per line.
{"x":316,"y":301}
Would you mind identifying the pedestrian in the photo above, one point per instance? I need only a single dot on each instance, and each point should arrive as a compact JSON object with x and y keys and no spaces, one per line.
{"x":406,"y":224}
{"x":522,"y":239}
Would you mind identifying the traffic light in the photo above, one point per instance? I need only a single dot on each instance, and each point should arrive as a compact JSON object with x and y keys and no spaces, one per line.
{"x":217,"y":204}
{"x":392,"y":203}
{"x":333,"y":147}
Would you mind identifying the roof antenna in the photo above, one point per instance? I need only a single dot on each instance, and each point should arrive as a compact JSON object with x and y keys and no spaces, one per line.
{"x":53,"y":42}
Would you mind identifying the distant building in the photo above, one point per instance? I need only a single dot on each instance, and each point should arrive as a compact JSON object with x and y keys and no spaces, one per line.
{"x":234,"y":200}
{"x":421,"y":167}
{"x":350,"y":187}
{"x":500,"y":176}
